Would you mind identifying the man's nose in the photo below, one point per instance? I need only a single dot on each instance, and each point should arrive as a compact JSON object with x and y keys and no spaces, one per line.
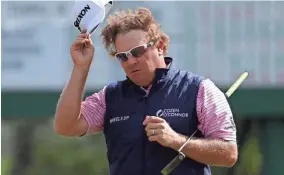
{"x":132,"y":60}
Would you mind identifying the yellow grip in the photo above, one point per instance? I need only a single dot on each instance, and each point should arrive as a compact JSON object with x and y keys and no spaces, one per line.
{"x":237,"y":83}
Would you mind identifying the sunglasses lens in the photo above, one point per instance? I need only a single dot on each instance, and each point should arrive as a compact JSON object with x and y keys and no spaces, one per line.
{"x":122,"y":57}
{"x":138,"y":51}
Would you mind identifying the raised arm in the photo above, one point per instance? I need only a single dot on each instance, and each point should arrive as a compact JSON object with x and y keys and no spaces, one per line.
{"x":67,"y":117}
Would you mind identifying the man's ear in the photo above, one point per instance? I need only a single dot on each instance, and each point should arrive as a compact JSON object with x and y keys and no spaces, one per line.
{"x":160,"y":47}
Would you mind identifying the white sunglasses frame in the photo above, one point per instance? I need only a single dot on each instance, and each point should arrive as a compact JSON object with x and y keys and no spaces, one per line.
{"x":150,"y":44}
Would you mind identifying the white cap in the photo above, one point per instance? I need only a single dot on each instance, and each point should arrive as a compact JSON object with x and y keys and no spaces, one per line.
{"x":89,"y":14}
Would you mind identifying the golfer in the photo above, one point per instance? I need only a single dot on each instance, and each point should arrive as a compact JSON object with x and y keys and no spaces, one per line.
{"x":149,"y":115}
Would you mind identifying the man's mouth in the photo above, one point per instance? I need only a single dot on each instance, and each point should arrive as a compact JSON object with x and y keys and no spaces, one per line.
{"x":134,"y":71}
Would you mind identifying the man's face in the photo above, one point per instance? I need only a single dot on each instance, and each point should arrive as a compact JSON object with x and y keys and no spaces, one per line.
{"x":139,"y":69}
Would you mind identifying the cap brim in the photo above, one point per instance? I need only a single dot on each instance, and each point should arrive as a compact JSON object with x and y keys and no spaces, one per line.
{"x":93,"y":16}
{"x":92,"y":26}
{"x":99,"y":18}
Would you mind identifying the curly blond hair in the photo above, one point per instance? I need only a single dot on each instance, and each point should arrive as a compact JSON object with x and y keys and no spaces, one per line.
{"x":123,"y":21}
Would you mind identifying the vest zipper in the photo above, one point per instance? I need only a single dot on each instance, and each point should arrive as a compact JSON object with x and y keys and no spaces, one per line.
{"x":144,"y":136}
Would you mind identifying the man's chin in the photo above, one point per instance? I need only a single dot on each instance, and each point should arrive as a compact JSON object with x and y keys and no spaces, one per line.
{"x":137,"y":80}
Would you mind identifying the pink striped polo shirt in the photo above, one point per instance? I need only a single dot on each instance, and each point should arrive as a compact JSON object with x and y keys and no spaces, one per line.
{"x":213,"y":112}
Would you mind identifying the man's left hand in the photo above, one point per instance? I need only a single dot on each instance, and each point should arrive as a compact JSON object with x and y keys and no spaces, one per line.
{"x":158,"y":130}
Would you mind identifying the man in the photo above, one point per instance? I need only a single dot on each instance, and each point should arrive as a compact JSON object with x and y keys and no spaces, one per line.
{"x":148,"y":116}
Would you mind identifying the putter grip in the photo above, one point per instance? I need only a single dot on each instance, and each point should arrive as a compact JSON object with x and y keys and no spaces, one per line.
{"x":236,"y":84}
{"x":173,"y":164}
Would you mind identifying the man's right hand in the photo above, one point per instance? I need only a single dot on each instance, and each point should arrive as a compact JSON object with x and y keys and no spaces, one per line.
{"x":82,"y":51}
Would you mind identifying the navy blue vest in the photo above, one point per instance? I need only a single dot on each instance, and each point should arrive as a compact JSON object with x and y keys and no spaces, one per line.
{"x":173,"y":96}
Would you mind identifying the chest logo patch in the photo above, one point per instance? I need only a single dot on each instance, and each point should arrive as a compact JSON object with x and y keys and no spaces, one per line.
{"x":118,"y":119}
{"x":172,"y":112}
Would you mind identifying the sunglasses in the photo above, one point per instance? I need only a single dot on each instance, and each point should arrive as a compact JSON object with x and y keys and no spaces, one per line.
{"x":135,"y":52}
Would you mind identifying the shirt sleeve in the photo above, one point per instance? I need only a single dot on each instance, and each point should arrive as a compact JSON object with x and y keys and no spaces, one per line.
{"x":93,"y":110}
{"x":214,"y":113}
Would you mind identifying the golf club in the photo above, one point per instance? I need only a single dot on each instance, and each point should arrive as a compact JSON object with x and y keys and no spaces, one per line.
{"x":179,"y":158}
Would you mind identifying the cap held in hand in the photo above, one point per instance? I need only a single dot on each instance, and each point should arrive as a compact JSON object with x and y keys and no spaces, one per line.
{"x":89,"y":14}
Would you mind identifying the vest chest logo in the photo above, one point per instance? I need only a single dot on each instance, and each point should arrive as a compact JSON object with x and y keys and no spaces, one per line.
{"x":171,"y":112}
{"x":118,"y":119}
